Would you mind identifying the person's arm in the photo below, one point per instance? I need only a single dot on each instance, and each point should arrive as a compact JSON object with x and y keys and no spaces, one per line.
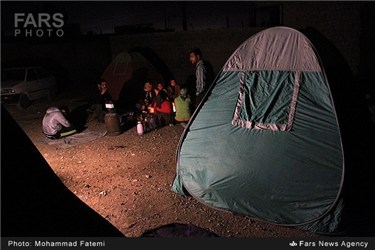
{"x":62,"y":120}
{"x":107,"y":96}
{"x":201,"y":78}
{"x":177,"y":90}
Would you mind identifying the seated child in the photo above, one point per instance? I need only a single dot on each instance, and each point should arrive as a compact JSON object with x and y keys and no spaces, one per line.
{"x":182,"y":104}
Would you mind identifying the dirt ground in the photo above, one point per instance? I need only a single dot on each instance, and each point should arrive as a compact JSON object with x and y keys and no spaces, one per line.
{"x":127,"y":179}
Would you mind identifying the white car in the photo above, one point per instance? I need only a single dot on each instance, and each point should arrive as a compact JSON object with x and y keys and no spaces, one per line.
{"x":25,"y":84}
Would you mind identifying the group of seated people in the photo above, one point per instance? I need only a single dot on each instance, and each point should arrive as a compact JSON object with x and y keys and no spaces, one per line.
{"x":169,"y":104}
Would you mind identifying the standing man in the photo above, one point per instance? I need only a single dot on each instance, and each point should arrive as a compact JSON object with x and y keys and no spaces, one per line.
{"x":202,"y":74}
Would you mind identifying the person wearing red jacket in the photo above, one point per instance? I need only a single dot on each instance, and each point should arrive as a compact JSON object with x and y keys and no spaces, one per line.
{"x":164,"y":110}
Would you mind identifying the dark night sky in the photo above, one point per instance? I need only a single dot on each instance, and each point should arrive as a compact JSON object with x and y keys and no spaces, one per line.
{"x":103,"y":16}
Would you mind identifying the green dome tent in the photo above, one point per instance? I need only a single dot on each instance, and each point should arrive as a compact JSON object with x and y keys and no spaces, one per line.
{"x":265,"y":141}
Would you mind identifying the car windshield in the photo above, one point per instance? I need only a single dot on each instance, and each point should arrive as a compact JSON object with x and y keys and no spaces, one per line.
{"x":12,"y":75}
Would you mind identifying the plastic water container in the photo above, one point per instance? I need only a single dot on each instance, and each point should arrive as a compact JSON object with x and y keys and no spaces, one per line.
{"x":140,"y":128}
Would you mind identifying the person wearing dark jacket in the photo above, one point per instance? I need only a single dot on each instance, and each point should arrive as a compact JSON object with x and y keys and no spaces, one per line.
{"x":100,"y":98}
{"x":203,"y":75}
{"x":173,"y":90}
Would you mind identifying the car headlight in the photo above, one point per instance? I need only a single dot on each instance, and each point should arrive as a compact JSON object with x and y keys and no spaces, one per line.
{"x":8,"y":91}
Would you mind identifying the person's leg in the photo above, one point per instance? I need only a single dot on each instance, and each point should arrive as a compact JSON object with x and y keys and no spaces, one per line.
{"x":98,"y":108}
{"x":169,"y":119}
{"x":159,"y":117}
{"x":183,"y":124}
{"x":165,"y":119}
{"x":198,"y":99}
{"x":66,"y":131}
{"x":100,"y":113}
{"x":153,"y":122}
{"x":53,"y":137}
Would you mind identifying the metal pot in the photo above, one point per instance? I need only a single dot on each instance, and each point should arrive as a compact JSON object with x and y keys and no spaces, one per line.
{"x":112,"y":124}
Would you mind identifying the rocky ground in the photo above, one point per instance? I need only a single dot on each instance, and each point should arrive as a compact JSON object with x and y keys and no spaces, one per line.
{"x":127,"y":179}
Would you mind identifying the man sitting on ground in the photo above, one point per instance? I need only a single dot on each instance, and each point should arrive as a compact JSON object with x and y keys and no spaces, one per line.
{"x":55,"y":125}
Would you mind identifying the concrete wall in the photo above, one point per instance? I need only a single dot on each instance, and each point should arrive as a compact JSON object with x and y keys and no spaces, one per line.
{"x":84,"y":59}
{"x":173,"y":47}
{"x":338,"y":22}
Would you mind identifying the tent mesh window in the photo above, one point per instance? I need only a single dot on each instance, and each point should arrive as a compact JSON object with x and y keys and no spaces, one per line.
{"x":267,"y":100}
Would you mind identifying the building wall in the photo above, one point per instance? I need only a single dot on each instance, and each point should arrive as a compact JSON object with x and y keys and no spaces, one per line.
{"x":338,"y":22}
{"x":84,"y":59}
{"x":172,"y":48}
